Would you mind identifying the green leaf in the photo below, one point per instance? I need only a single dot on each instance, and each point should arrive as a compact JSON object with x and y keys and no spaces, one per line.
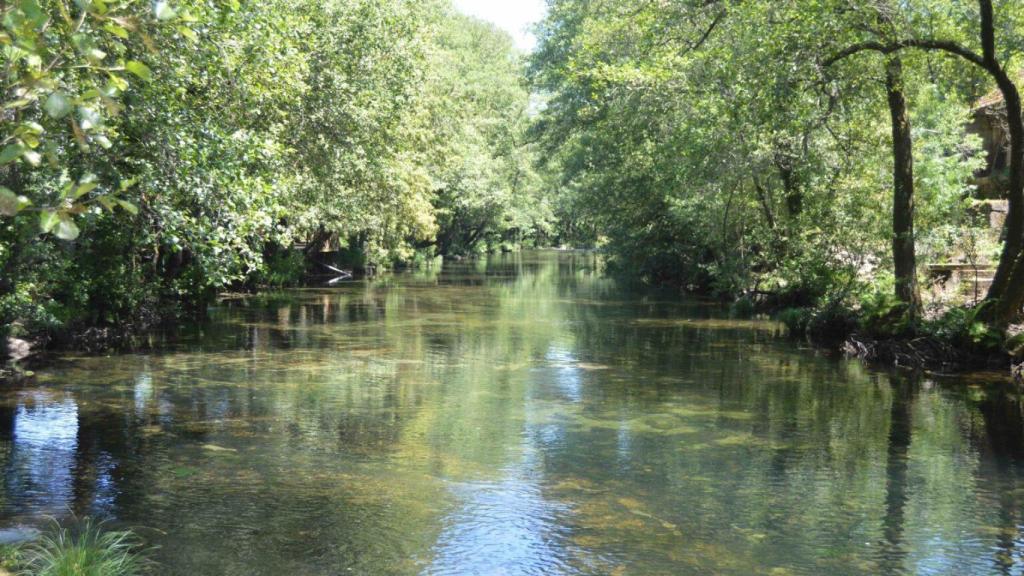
{"x":33,"y":127}
{"x":119,"y":31}
{"x":11,"y":153}
{"x":88,"y":118}
{"x":67,"y":229}
{"x":11,"y":203}
{"x":32,"y":157}
{"x":118,"y":83}
{"x":58,"y":105}
{"x":20,"y":103}
{"x":32,"y":10}
{"x":85,"y":188}
{"x":139,"y":69}
{"x":128,"y":207}
{"x":47,"y":220}
{"x":188,"y":33}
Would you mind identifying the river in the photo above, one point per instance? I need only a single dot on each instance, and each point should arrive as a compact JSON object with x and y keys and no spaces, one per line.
{"x":521,"y":414}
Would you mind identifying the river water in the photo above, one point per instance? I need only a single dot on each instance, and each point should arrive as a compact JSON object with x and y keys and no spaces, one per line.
{"x":517,"y":415}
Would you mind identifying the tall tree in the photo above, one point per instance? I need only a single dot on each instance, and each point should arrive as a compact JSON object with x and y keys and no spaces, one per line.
{"x":1007,"y":292}
{"x":903,"y":240}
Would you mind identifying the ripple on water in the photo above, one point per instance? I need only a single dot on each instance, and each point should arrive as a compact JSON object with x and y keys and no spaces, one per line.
{"x":524,"y":417}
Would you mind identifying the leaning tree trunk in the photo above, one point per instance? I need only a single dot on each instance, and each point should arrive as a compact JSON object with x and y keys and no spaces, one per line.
{"x":1008,"y":286}
{"x":903,"y":251}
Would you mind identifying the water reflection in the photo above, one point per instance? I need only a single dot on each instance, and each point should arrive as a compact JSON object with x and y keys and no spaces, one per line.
{"x":41,"y":452}
{"x":513,"y":416}
{"x":503,"y":527}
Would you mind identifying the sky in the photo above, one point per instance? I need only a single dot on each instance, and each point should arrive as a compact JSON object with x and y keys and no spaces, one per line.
{"x":513,"y":16}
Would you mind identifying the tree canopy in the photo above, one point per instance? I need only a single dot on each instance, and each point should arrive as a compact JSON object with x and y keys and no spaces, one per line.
{"x":155,"y":153}
{"x":803,"y":152}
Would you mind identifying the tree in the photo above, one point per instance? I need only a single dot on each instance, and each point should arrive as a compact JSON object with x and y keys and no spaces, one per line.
{"x":1007,"y":292}
{"x":903,"y":240}
{"x":225,"y":132}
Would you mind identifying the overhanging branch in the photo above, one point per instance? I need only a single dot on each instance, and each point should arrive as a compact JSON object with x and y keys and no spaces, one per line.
{"x":947,"y":46}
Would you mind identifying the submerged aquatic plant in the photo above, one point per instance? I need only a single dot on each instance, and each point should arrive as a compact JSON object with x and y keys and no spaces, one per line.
{"x":86,"y":550}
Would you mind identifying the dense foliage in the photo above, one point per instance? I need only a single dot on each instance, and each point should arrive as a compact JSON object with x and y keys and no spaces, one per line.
{"x":155,"y":153}
{"x":810,"y":153}
{"x":802,"y":152}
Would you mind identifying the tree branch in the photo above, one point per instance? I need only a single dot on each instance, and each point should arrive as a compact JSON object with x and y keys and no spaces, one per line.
{"x":947,"y":46}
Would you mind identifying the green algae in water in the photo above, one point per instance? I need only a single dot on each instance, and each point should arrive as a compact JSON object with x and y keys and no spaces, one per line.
{"x":523,"y":417}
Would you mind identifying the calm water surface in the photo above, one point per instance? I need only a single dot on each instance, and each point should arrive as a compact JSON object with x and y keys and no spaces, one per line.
{"x":522,"y":415}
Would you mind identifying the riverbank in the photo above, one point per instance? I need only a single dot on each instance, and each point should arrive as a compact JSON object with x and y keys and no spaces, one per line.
{"x":25,"y":351}
{"x":947,"y":341}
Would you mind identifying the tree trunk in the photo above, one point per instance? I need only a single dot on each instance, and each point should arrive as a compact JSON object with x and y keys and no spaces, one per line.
{"x":903,"y":251}
{"x":316,"y":244}
{"x":1015,"y":217}
{"x":1008,"y":286}
{"x":785,"y":163}
{"x":1007,"y":292}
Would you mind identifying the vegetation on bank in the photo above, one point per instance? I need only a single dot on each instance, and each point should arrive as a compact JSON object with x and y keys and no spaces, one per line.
{"x":813,"y":156}
{"x":155,"y":153}
{"x":84,"y":550}
{"x":810,"y":155}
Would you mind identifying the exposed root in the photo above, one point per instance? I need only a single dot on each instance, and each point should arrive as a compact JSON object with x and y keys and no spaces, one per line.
{"x":921,"y":352}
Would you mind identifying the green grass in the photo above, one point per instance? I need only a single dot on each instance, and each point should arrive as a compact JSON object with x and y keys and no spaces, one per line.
{"x":85,"y":550}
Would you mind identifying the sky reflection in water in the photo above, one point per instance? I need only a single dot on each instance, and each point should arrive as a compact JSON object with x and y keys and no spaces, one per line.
{"x":521,"y":415}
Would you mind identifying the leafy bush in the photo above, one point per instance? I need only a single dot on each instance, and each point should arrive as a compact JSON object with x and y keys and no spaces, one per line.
{"x":796,"y":320}
{"x":962,"y":328}
{"x":883,"y":315}
{"x":742,"y":308}
{"x":830,"y":322}
{"x":283,"y":268}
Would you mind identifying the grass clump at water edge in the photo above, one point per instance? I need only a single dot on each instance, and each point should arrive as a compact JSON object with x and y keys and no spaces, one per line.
{"x":86,"y":549}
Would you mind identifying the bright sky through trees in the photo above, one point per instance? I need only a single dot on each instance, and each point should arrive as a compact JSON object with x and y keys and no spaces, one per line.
{"x":513,"y":16}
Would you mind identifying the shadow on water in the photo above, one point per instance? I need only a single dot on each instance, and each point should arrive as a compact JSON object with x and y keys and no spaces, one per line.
{"x":517,"y":415}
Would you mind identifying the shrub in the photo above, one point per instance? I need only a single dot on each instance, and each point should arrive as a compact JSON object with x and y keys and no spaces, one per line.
{"x":796,"y":320}
{"x":962,"y":328}
{"x":283,"y":268}
{"x":884,"y":315}
{"x":826,"y":323}
{"x":742,"y":308}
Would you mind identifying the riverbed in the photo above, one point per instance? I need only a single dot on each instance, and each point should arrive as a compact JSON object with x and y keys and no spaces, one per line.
{"x":519,"y":414}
